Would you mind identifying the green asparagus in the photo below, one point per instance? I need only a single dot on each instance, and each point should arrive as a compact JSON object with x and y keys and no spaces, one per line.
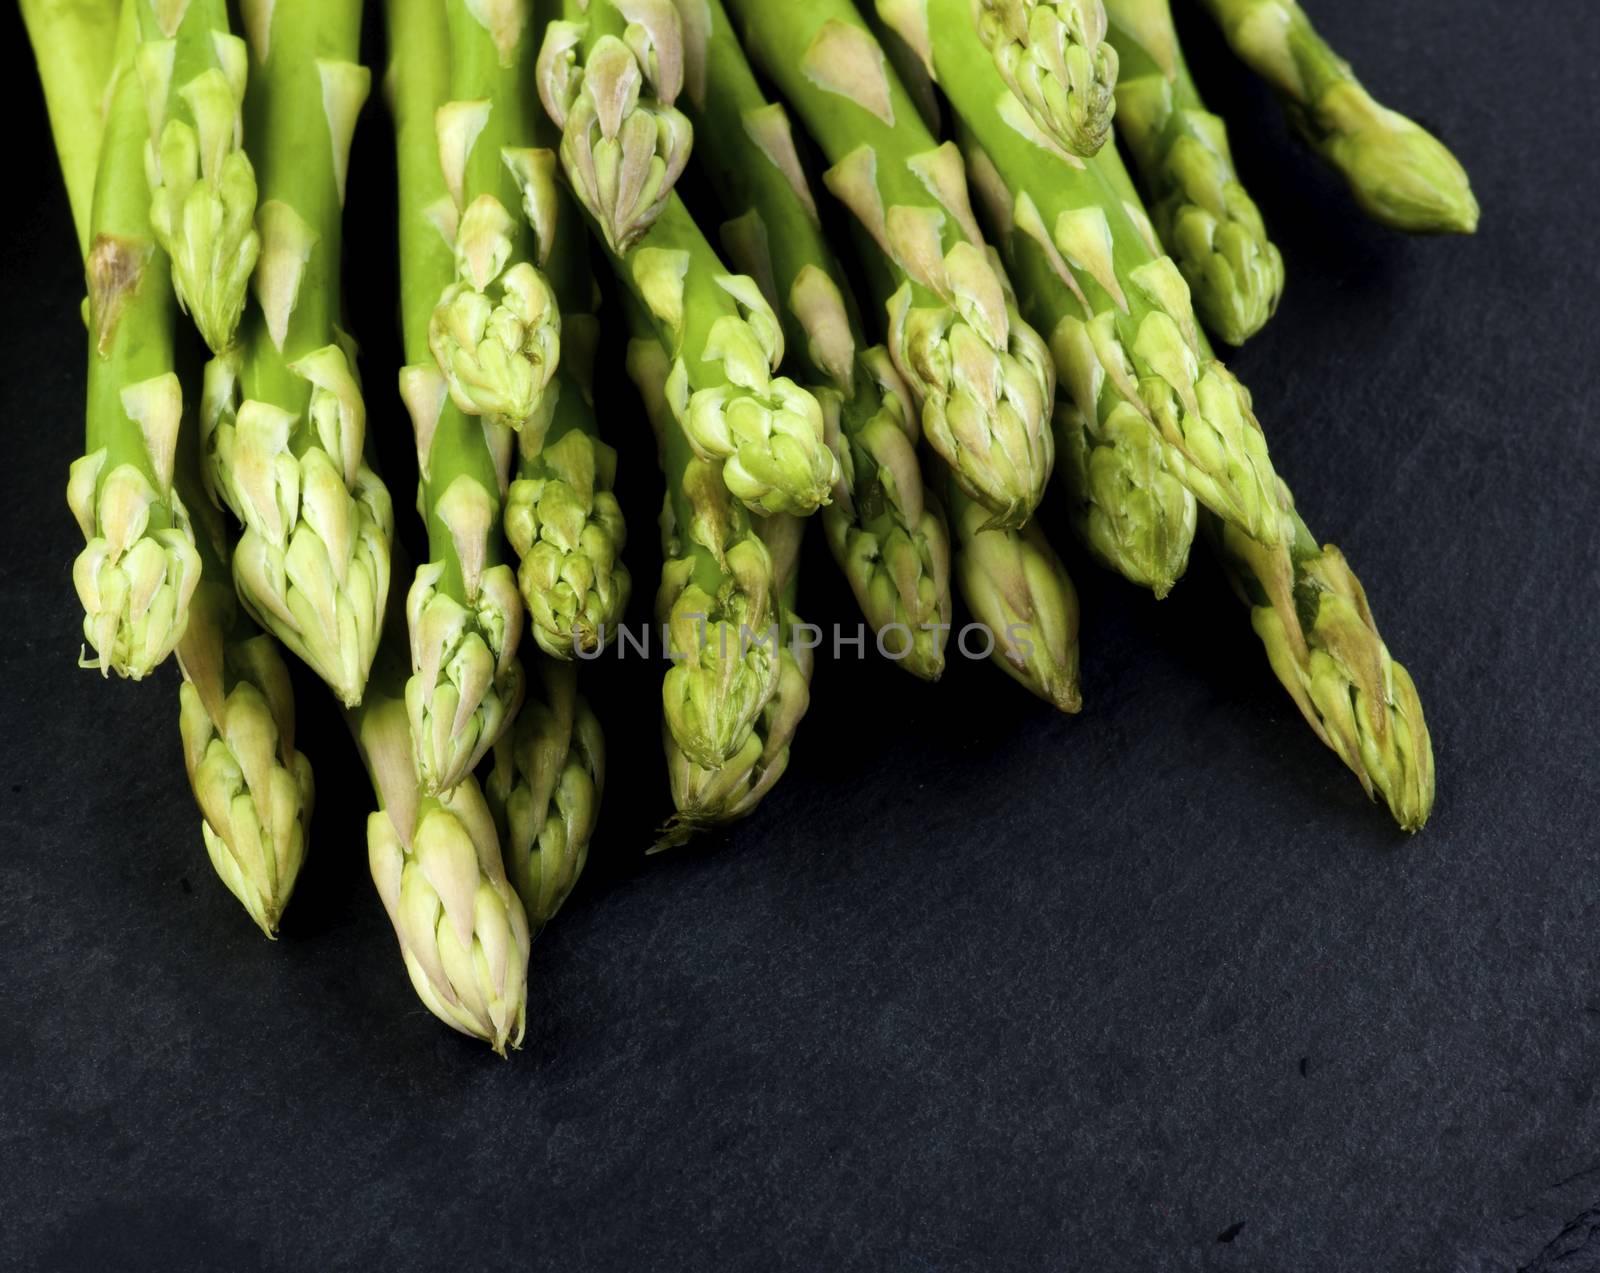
{"x":139,"y":567}
{"x":1052,"y":54}
{"x":609,"y":72}
{"x":1200,"y":208}
{"x":709,"y":795}
{"x":1128,"y":336}
{"x":203,"y":187}
{"x":718,"y":587}
{"x":1400,"y":173}
{"x":1017,"y":588}
{"x":236,"y":714}
{"x":496,"y":329}
{"x":982,"y":374}
{"x":74,"y":46}
{"x":891,"y":543}
{"x":463,"y":612}
{"x":313,"y":563}
{"x":561,"y":515}
{"x":544,"y":789}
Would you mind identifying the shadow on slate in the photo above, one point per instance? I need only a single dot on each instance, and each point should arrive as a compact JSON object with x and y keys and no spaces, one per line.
{"x":979,"y":986}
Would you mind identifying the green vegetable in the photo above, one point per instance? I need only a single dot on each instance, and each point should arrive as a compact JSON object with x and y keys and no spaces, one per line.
{"x":561,"y":515}
{"x":74,"y":46}
{"x":891,"y":543}
{"x":203,"y":187}
{"x":139,"y":567}
{"x":437,"y":865}
{"x":1017,"y":588}
{"x":1052,"y":54}
{"x":609,"y":72}
{"x":982,"y":375}
{"x":718,"y":586}
{"x":313,"y":563}
{"x":496,"y":330}
{"x":544,"y":789}
{"x":463,"y":612}
{"x":1197,"y":202}
{"x":1400,"y":173}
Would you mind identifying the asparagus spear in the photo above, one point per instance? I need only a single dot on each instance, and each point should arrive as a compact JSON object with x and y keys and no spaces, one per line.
{"x":1130,"y":337}
{"x":236,"y":714}
{"x":1200,"y":207}
{"x":544,"y":789}
{"x":708,"y":795}
{"x":609,"y":72}
{"x":236,"y":706}
{"x":463,"y":611}
{"x":139,"y":567}
{"x":74,"y":46}
{"x":764,"y":431}
{"x":313,"y":563}
{"x":1400,"y":173}
{"x":496,"y":330}
{"x":891,"y":543}
{"x":561,"y":515}
{"x":1052,"y":54}
{"x":203,"y":187}
{"x":982,"y":374}
{"x":437,"y":865}
{"x":1018,"y":589}
{"x":718,"y":586}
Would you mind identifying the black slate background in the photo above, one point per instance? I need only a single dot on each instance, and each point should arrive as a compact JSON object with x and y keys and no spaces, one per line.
{"x":980,"y":986}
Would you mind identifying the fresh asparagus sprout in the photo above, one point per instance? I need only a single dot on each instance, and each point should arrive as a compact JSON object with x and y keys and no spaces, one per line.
{"x":139,"y":567}
{"x":1198,"y":204}
{"x":437,"y":866}
{"x":718,"y":588}
{"x":609,"y":73}
{"x":1127,"y":335}
{"x":463,"y":612}
{"x":1400,"y":174}
{"x":313,"y":563}
{"x":562,"y":517}
{"x":708,"y":798}
{"x":891,"y":543}
{"x":237,"y":718}
{"x":496,"y":330}
{"x":202,"y":184}
{"x":981,"y":374}
{"x":1053,"y":54}
{"x":74,"y":46}
{"x":544,"y":789}
{"x":1018,"y":589}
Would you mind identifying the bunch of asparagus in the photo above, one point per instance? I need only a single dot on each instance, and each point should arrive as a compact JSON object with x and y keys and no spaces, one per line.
{"x":915,"y":383}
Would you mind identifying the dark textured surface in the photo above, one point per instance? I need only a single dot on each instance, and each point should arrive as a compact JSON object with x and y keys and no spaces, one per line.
{"x":979,"y":987}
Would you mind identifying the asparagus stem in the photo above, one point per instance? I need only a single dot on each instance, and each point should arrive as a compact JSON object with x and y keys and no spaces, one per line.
{"x":496,"y":329}
{"x":1400,"y":173}
{"x":1017,"y":587}
{"x":1126,"y":335}
{"x":203,"y":186}
{"x":437,"y":865}
{"x":74,"y":46}
{"x":1199,"y":206}
{"x":609,"y":72}
{"x":718,"y":587}
{"x":313,"y":563}
{"x":139,"y":567}
{"x":237,"y":718}
{"x":544,"y":789}
{"x":982,"y":374}
{"x":891,"y":543}
{"x":562,"y":517}
{"x":463,"y":612}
